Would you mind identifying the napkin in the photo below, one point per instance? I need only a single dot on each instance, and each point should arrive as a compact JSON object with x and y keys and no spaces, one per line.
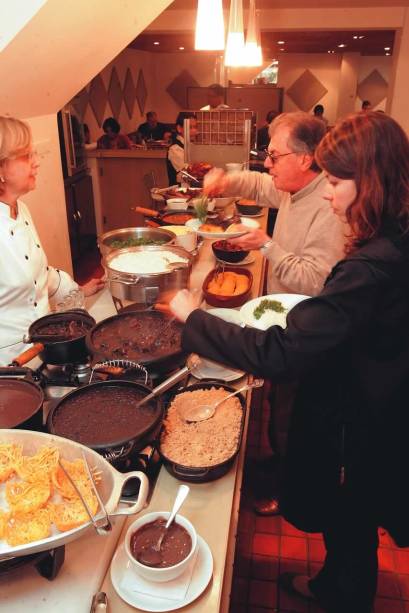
{"x":169,"y":590}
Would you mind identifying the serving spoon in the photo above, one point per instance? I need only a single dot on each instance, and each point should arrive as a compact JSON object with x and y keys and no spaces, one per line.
{"x":150,"y":555}
{"x":206,"y":411}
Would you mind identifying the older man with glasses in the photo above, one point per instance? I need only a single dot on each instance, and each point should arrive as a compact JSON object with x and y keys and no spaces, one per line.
{"x":307,"y":241}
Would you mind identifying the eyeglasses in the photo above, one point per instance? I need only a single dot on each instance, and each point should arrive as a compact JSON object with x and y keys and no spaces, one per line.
{"x":273,"y":157}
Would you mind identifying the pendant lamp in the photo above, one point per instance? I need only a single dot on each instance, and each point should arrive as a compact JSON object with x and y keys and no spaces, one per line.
{"x":209,"y":34}
{"x":234,"y":55}
{"x":252,"y":52}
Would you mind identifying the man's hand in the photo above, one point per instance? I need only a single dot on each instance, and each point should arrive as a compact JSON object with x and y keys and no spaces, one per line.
{"x":253,"y":239}
{"x":215,"y":182}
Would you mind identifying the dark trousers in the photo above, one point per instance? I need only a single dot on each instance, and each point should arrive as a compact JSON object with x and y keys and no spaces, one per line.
{"x":347,"y":581}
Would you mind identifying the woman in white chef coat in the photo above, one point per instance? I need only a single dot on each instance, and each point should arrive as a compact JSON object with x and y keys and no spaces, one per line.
{"x":27,"y":282}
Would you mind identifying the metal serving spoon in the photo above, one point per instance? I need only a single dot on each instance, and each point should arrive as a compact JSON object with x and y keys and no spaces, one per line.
{"x":206,"y":411}
{"x":151,"y":556}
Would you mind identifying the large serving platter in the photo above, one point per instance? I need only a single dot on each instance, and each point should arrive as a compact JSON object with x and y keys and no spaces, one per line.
{"x":109,"y":488}
{"x":269,"y":318}
{"x":195,"y":224}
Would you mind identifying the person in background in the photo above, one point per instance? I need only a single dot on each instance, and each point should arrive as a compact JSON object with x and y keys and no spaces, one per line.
{"x":27,"y":281}
{"x":366,"y":105}
{"x":347,"y":460}
{"x":113,"y":139}
{"x":215,"y":98}
{"x":176,"y":156}
{"x":152,"y":129}
{"x":319,"y":113}
{"x":307,"y":241}
{"x":263,"y":137}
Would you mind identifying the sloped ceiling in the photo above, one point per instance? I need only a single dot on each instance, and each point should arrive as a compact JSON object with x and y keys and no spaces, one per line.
{"x":63,"y":47}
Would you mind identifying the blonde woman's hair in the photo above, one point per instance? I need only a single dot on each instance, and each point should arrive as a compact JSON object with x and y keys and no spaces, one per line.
{"x":15,"y":137}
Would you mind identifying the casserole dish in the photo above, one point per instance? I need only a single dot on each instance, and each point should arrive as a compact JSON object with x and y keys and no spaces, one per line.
{"x":109,"y":487}
{"x":203,"y":474}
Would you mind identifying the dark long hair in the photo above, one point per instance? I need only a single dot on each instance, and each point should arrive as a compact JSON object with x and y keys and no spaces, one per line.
{"x":373,"y":150}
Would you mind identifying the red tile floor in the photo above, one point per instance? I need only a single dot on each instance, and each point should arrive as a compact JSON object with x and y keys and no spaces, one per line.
{"x":267,"y":546}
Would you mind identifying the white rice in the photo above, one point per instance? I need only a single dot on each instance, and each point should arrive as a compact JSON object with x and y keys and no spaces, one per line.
{"x":146,"y":262}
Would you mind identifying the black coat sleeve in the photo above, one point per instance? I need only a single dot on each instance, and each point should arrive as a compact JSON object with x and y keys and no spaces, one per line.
{"x":316,"y":328}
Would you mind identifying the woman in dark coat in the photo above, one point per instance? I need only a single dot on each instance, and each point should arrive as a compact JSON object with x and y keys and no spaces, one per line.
{"x":347,"y":459}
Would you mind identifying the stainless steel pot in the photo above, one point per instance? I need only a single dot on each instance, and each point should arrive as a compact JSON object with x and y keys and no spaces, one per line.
{"x":147,"y":288}
{"x":106,"y":242}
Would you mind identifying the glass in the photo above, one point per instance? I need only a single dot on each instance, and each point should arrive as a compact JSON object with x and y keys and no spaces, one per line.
{"x":74,"y":300}
{"x":274,"y":156}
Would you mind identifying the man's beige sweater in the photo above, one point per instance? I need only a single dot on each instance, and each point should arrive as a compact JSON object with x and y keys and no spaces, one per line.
{"x":308,"y":238}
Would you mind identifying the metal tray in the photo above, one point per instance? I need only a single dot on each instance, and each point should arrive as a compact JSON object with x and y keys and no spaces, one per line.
{"x":109,"y":488}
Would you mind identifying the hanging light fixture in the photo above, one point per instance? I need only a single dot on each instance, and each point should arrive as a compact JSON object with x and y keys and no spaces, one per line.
{"x":234,"y":55}
{"x":209,"y":34}
{"x":252,"y":52}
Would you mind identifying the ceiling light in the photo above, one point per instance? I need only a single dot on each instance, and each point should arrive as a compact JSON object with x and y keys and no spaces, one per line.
{"x":387,"y":48}
{"x":252,"y":50}
{"x":362,"y":36}
{"x":181,"y":48}
{"x":387,"y":53}
{"x":342,"y":45}
{"x":281,"y":49}
{"x":209,"y":34}
{"x":156,"y":42}
{"x":355,"y":37}
{"x":234,"y":55}
{"x":281,"y":42}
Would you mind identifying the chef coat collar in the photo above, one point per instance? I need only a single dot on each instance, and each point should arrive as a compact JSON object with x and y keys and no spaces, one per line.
{"x":5,"y":210}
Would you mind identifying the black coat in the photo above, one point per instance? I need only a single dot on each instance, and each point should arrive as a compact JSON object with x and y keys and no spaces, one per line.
{"x":349,"y":350}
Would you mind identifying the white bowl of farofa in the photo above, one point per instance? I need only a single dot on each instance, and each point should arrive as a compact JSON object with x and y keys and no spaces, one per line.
{"x":202,"y":451}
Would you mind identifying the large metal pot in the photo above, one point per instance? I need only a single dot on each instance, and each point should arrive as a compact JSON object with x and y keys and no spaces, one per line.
{"x":146,"y":288}
{"x":108,"y":242}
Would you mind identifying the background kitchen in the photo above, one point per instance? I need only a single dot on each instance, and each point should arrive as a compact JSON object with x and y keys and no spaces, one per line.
{"x":128,"y":75}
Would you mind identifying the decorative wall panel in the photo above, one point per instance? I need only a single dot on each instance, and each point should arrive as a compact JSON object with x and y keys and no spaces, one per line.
{"x":141,"y":92}
{"x":177,"y":88}
{"x":373,"y":88}
{"x":115,"y":93}
{"x":98,"y":98}
{"x":80,"y":102}
{"x":306,"y":91}
{"x":129,"y":93}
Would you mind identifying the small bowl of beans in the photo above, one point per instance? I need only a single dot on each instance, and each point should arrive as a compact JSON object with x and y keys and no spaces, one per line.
{"x":226,"y":251}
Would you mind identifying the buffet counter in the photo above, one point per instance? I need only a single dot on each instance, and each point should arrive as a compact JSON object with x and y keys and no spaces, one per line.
{"x":122,"y":179}
{"x":211,"y":507}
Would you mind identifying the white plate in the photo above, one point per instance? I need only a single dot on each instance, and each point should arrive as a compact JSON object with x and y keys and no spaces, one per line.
{"x":251,"y":216}
{"x":230,"y":315}
{"x":195,"y":224}
{"x":269,"y":318}
{"x":201,"y":576}
{"x":248,"y":260}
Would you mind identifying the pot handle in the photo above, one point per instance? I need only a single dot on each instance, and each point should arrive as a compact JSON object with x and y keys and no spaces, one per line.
{"x":28,"y":355}
{"x":133,"y":281}
{"x":142,"y":494}
{"x":145,"y":211}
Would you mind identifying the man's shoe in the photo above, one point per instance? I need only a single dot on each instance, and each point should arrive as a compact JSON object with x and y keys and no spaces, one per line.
{"x":296,"y":585}
{"x":267,"y":507}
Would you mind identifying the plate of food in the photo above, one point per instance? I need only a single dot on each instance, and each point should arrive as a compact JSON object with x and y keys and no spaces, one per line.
{"x":271,"y":310}
{"x":213,"y":231}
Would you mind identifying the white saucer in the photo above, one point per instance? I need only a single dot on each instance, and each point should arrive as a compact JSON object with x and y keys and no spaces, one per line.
{"x":201,"y":576}
{"x":248,"y":260}
{"x":251,"y":216}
